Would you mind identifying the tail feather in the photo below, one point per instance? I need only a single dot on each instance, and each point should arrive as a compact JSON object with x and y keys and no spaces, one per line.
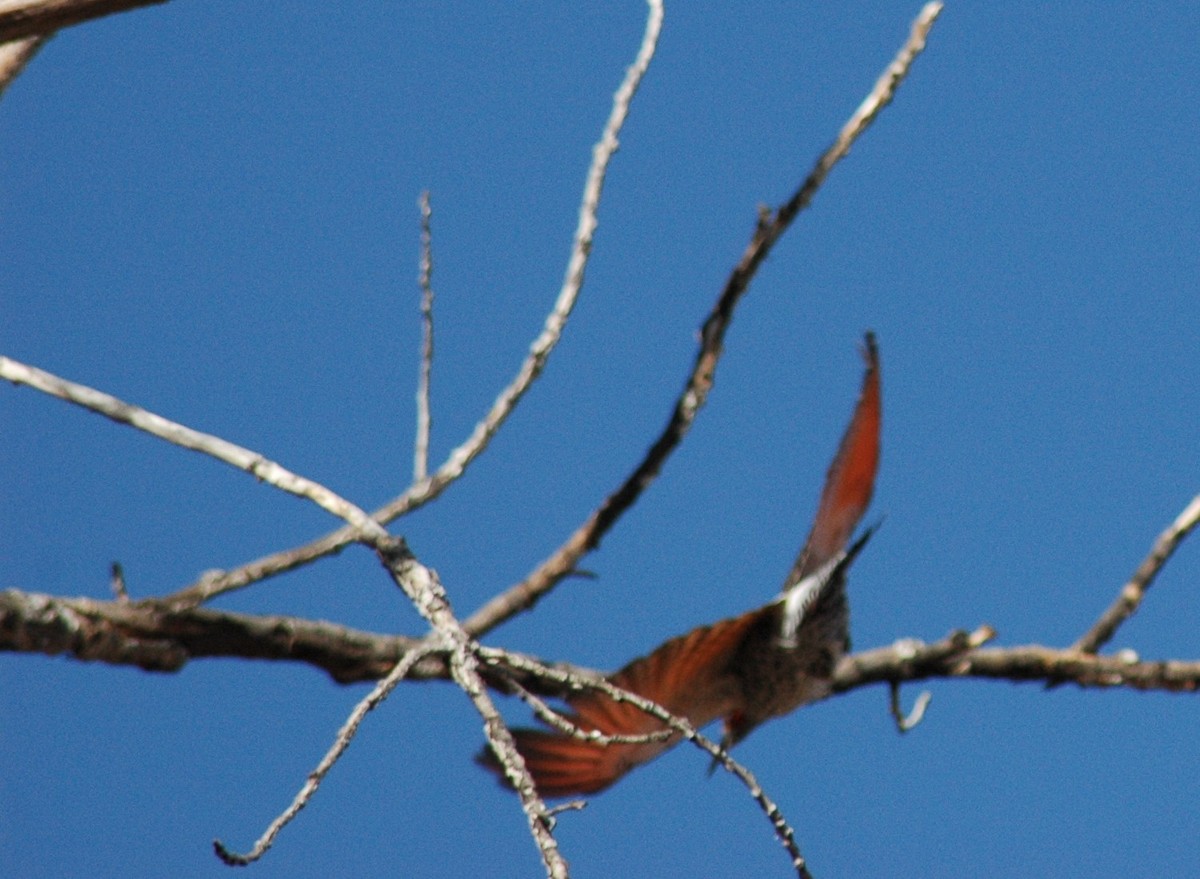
{"x":563,"y":766}
{"x":851,"y":478}
{"x":688,"y":676}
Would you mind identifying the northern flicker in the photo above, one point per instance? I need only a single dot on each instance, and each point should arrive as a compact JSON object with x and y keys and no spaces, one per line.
{"x":747,"y":669}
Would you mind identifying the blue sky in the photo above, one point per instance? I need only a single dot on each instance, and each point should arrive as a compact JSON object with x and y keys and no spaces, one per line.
{"x":210,"y":210}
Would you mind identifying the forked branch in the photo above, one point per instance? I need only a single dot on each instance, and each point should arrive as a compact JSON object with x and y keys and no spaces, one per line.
{"x":425,"y":490}
{"x":1131,"y":595}
{"x":699,"y":381}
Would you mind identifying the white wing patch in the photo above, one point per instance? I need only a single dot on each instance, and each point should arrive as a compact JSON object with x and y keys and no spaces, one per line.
{"x":802,"y":596}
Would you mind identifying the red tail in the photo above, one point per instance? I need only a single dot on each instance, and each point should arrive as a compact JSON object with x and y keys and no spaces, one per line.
{"x":704,"y":675}
{"x":851,"y":477}
{"x":688,"y":676}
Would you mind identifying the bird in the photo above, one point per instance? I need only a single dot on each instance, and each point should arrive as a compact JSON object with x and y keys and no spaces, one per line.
{"x":744,"y":670}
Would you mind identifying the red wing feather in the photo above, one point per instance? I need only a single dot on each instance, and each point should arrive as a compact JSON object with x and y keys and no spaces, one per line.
{"x":687,"y":675}
{"x":690,"y":675}
{"x":851,"y":477}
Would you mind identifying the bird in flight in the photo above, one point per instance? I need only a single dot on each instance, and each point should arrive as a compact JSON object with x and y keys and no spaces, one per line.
{"x":744,"y":670}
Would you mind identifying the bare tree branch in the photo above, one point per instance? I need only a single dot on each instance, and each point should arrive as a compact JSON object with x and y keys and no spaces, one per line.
{"x":414,"y":579}
{"x":563,"y":724}
{"x":783,"y":831}
{"x":27,"y":18}
{"x":906,"y":722}
{"x":164,"y":634}
{"x":426,"y":592}
{"x":15,"y":55}
{"x":185,"y":437}
{"x":421,"y":446}
{"x":429,"y":488}
{"x":117,"y":581}
{"x":155,"y":637}
{"x":419,"y":583}
{"x":587,"y":536}
{"x":959,"y":655}
{"x":341,"y":742}
{"x":161,"y":638}
{"x":1130,"y":598}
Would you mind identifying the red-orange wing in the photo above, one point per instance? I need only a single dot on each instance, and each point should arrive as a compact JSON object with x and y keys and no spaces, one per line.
{"x":851,"y":477}
{"x":687,"y":675}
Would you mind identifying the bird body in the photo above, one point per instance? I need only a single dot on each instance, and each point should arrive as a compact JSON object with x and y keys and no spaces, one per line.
{"x":744,"y":670}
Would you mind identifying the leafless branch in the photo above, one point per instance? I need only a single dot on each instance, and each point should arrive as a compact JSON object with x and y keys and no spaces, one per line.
{"x":27,"y":18}
{"x":680,"y":725}
{"x":118,"y":583}
{"x":164,"y":635}
{"x":906,"y":722}
{"x":561,"y":723}
{"x":961,"y":655}
{"x":185,"y":437}
{"x":880,"y":96}
{"x":14,"y":56}
{"x":699,"y":382}
{"x":421,"y":446}
{"x":1130,"y":598}
{"x":163,"y":638}
{"x":429,"y":488}
{"x":340,"y":744}
{"x":415,"y":580}
{"x":426,"y":592}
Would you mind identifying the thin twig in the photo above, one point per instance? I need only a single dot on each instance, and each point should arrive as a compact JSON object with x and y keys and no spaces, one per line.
{"x":881,"y":95}
{"x":681,"y":726}
{"x":185,"y":437}
{"x":117,"y":580}
{"x":1130,"y":598}
{"x":417,"y":582}
{"x":569,"y":806}
{"x":340,"y":743}
{"x":456,"y":463}
{"x":15,"y":55}
{"x":699,"y":382}
{"x":783,"y":830}
{"x":424,"y":589}
{"x":27,"y":18}
{"x":906,"y":722}
{"x":563,"y":724}
{"x":421,"y":446}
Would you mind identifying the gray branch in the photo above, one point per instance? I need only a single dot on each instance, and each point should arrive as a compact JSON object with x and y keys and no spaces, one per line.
{"x":162,"y":638}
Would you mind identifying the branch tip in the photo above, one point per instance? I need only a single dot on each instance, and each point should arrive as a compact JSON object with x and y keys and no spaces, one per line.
{"x":906,"y":722}
{"x":117,"y":580}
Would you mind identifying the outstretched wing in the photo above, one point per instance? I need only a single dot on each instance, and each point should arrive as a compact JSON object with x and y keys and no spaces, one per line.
{"x":688,"y":675}
{"x":850,"y":480}
{"x":691,"y":675}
